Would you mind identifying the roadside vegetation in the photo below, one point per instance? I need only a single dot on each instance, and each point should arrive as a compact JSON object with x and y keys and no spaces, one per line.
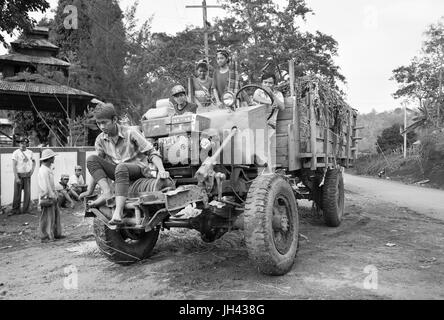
{"x":424,"y":164}
{"x":420,"y":90}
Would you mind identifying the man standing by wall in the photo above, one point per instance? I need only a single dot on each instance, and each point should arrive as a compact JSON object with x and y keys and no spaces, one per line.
{"x":50,"y":227}
{"x":23,"y":165}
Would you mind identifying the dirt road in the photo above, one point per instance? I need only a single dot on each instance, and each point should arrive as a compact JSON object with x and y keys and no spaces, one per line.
{"x":422,"y":200}
{"x":382,"y":250}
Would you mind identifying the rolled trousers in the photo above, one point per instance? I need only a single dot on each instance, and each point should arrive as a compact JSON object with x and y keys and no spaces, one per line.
{"x":50,"y":226}
{"x":122,"y":174}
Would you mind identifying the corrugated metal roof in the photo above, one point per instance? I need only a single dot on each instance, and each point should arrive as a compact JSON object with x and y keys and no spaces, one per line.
{"x":40,"y":88}
{"x":18,"y":57}
{"x":34,"y":43}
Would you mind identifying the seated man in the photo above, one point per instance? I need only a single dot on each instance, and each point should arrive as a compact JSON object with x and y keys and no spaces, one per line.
{"x":63,"y":193}
{"x":269,"y":82}
{"x":180,"y":102}
{"x":123,"y":155}
{"x":77,"y":183}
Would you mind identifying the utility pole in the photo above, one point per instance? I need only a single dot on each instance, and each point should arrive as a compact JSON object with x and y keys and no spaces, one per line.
{"x":440,"y":96}
{"x":405,"y":130}
{"x":204,"y":7}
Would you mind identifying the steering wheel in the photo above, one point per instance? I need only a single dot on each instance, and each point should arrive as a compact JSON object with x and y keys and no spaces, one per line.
{"x":241,"y":93}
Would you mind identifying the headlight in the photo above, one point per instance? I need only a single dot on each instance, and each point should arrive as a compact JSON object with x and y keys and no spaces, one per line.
{"x":228,"y":99}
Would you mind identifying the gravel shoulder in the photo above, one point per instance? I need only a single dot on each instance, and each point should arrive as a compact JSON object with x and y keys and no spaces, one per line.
{"x":405,"y":247}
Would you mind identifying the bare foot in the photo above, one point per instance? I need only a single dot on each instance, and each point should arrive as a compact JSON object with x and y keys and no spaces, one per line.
{"x":115,"y":222}
{"x":100,"y":200}
{"x":85,"y":194}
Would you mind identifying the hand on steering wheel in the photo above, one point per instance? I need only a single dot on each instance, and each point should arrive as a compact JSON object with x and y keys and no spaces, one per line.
{"x":240,"y":93}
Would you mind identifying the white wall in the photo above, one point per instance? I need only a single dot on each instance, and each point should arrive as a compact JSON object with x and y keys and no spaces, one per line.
{"x":7,"y":182}
{"x":65,"y":163}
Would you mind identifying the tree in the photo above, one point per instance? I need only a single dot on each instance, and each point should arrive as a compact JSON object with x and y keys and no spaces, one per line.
{"x":391,"y":139}
{"x":260,"y":29}
{"x":255,"y":30}
{"x":14,"y":15}
{"x":421,"y":81}
{"x":97,"y":49}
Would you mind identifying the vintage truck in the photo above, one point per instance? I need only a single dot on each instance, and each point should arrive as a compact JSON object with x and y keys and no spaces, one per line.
{"x":219,"y":174}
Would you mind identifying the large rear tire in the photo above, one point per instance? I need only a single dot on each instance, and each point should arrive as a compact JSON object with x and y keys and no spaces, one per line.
{"x":333,"y":198}
{"x":124,"y":246}
{"x":271,"y":224}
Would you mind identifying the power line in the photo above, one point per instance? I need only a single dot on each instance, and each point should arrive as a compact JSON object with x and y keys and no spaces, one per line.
{"x":204,"y":8}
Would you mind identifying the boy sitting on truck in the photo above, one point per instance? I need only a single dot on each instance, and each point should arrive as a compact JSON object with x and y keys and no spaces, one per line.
{"x":123,"y":155}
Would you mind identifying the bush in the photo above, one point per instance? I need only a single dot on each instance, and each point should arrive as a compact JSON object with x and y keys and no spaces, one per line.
{"x":432,"y":146}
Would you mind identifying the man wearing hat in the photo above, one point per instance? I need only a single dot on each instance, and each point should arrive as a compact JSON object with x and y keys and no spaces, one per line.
{"x":123,"y":155}
{"x":50,"y":227}
{"x":180,"y":102}
{"x":76,"y":183}
{"x":23,"y":166}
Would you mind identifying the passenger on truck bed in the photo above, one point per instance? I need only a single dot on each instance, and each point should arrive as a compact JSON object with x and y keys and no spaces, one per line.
{"x":202,"y":85}
{"x":226,"y":77}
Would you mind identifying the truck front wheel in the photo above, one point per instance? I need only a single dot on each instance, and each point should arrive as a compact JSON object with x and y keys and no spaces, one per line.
{"x":271,"y":224}
{"x":124,"y":246}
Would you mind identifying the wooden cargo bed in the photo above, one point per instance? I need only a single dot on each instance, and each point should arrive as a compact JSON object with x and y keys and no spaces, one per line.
{"x":314,"y":136}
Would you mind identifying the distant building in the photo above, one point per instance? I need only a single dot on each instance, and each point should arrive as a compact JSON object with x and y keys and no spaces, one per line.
{"x":23,"y":89}
{"x":5,"y":133}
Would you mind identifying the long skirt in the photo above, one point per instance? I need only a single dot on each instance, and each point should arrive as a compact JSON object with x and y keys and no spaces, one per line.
{"x":50,"y":226}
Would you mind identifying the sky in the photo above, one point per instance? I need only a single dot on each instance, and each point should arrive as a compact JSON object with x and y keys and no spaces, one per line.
{"x":374,"y":37}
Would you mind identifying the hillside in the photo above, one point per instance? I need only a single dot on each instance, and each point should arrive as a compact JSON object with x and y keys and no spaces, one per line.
{"x":374,"y":123}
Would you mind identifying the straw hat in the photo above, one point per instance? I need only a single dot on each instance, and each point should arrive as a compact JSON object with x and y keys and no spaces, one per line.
{"x":47,"y":154}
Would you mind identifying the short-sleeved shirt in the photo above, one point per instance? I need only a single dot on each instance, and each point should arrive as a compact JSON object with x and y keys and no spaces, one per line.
{"x":130,"y":146}
{"x":202,"y":90}
{"x":46,"y":183}
{"x":24,"y":160}
{"x":220,"y":82}
{"x":74,"y":180}
{"x":278,"y":95}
